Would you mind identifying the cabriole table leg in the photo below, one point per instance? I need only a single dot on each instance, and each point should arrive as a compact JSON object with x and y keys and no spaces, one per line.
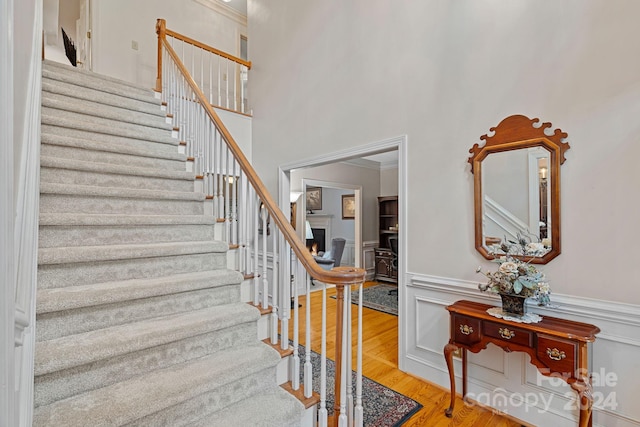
{"x":448,"y":355}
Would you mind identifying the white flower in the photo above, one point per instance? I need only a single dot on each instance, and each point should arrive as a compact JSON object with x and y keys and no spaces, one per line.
{"x":535,"y":247}
{"x":546,"y":242}
{"x":508,"y":267}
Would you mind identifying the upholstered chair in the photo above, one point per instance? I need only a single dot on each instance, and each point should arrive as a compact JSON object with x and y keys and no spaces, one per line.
{"x":332,"y":257}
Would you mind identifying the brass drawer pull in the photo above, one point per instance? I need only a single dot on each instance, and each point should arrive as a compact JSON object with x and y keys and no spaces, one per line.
{"x":556,"y":354}
{"x":466,"y":329}
{"x":506,"y":333}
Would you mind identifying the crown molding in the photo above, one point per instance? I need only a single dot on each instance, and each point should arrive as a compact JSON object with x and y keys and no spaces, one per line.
{"x":224,"y":10}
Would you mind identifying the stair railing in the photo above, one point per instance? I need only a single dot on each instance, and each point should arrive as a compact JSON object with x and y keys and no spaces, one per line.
{"x":253,"y":224}
{"x":221,"y":76}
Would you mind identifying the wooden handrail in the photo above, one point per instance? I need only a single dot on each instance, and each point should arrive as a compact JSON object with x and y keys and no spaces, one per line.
{"x":339,"y":276}
{"x":207,"y":48}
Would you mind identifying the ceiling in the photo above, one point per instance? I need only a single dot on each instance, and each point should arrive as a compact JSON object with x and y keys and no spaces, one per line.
{"x":384,"y":158}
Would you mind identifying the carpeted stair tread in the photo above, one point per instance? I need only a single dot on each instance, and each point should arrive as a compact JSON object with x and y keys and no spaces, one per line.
{"x":127,"y":401}
{"x":167,"y":146}
{"x":115,"y":126}
{"x":251,"y":412}
{"x":98,"y":148}
{"x":62,"y":219}
{"x":133,"y":193}
{"x":150,"y":106}
{"x":75,"y":254}
{"x":80,"y":349}
{"x":84,"y":107}
{"x":101,"y":82}
{"x":159,"y":136}
{"x":78,"y":165}
{"x":73,"y":297}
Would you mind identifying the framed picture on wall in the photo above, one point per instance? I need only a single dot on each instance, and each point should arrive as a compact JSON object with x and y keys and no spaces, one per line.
{"x":348,"y":206}
{"x":314,"y":198}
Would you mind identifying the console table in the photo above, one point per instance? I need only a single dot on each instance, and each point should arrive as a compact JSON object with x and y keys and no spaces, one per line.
{"x":557,"y":347}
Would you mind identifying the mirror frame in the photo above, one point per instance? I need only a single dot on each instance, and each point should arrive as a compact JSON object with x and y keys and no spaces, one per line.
{"x":514,"y":133}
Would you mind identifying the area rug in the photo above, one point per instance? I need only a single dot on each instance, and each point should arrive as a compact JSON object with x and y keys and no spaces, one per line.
{"x":377,"y":298}
{"x":382,"y":407}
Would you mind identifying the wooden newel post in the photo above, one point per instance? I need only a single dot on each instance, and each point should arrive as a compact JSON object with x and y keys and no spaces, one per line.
{"x":161,"y":26}
{"x":338,"y":354}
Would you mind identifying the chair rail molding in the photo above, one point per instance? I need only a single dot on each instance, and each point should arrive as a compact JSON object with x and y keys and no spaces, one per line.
{"x":494,"y":375}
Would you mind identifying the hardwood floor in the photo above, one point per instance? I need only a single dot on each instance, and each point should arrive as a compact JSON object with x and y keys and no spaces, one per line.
{"x":380,"y":363}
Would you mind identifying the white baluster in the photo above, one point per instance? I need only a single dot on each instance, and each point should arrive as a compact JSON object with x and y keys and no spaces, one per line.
{"x":219,"y":86}
{"x":275,"y":306}
{"x":210,"y":99}
{"x":234,"y":205}
{"x":253,"y":212}
{"x":295,"y":369}
{"x":348,"y":350}
{"x":308,"y":368}
{"x":216,"y":175}
{"x":265,"y":281}
{"x":322,"y":412}
{"x":284,"y":280}
{"x":342,"y":419}
{"x":242,"y":220}
{"x":227,"y":85}
{"x":359,"y":410}
{"x":243,"y":81}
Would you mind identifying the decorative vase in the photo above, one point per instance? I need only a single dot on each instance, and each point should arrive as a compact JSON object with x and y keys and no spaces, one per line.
{"x":513,"y":305}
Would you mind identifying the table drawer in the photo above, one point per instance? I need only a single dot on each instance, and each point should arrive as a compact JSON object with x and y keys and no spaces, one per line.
{"x":508,"y":333}
{"x":557,"y":354}
{"x":466,"y":330}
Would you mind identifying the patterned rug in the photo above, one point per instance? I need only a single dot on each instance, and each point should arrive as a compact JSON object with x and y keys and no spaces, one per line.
{"x":382,"y":406}
{"x":377,"y":298}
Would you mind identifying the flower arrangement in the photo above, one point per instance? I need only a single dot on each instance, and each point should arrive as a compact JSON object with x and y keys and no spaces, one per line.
{"x":516,"y":277}
{"x":523,"y":246}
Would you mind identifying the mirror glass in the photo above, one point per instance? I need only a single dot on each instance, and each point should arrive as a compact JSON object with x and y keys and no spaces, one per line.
{"x":516,"y":203}
{"x":517,"y":190}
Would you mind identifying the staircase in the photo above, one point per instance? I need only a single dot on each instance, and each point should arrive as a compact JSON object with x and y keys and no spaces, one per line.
{"x":139,"y":321}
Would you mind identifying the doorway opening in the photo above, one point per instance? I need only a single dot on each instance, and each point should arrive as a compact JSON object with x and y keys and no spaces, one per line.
{"x":340,"y":166}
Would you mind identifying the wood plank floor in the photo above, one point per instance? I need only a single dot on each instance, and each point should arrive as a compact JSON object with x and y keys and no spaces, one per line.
{"x":380,"y":363}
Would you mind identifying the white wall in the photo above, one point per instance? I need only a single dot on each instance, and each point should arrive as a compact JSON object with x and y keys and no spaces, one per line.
{"x":389,"y":182}
{"x":331,"y":75}
{"x":116,"y":23}
{"x":69,"y":13}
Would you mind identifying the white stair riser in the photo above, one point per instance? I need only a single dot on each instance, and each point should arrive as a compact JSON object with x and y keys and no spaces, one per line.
{"x":69,"y":176}
{"x":62,"y":203}
{"x":208,"y":403}
{"x":62,"y":384}
{"x":69,"y":322}
{"x":264,"y":327}
{"x":63,"y":275}
{"x":64,"y":236}
{"x":83,"y":154}
{"x":282,"y":370}
{"x":116,"y":126}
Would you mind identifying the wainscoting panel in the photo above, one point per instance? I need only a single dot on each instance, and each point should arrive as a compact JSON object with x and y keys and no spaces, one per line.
{"x":507,"y":381}
{"x":369,"y":258}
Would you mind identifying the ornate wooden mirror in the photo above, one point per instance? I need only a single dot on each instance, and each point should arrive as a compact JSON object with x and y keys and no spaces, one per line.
{"x":517,"y":190}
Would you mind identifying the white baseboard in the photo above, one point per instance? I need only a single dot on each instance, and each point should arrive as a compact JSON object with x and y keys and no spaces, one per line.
{"x":496,"y":377}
